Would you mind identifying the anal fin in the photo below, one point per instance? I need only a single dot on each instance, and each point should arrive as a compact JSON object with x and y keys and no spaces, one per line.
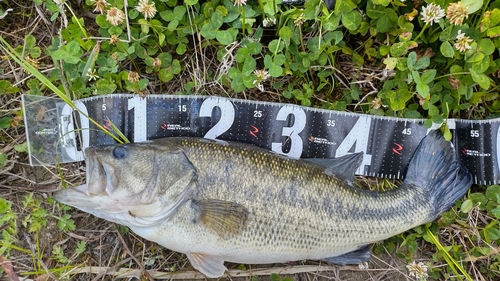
{"x":210,"y":266}
{"x":357,"y":256}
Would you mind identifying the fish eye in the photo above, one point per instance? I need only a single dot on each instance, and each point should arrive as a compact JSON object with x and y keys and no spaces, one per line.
{"x":119,"y":152}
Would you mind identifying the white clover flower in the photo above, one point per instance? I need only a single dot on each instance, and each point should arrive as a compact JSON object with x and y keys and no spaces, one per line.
{"x":240,"y":2}
{"x":262,"y":75}
{"x":133,"y":77}
{"x":463,"y":41}
{"x":100,"y":6}
{"x":267,"y":22}
{"x":300,"y":20}
{"x":457,"y":12}
{"x":432,"y":13}
{"x":419,"y":271}
{"x":147,"y":9}
{"x":92,"y":75}
{"x":114,"y":39}
{"x":115,"y":16}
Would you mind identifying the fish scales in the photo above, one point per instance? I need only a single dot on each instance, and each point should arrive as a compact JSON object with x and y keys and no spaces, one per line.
{"x":223,"y":201}
{"x":304,"y":210}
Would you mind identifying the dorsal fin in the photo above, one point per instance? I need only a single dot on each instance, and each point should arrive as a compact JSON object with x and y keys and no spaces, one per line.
{"x":343,"y":167}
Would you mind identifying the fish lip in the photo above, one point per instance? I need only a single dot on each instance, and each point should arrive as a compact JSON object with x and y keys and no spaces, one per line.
{"x":76,"y":196}
{"x":109,"y":177}
{"x":62,"y":195}
{"x":96,"y":173}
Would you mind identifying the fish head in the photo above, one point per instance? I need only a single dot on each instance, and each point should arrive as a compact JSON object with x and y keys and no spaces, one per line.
{"x":132,"y":184}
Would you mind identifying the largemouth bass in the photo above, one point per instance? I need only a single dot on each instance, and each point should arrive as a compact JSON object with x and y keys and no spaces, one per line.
{"x":221,"y":201}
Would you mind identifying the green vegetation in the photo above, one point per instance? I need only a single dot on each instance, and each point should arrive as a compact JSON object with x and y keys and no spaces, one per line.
{"x":415,"y":59}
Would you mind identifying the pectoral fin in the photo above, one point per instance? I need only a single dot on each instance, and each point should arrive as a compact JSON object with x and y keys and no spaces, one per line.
{"x":210,"y":266}
{"x":223,"y":217}
{"x":355,"y":257}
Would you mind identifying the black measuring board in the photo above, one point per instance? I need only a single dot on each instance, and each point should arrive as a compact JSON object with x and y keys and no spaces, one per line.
{"x":296,"y":131}
{"x":479,"y":156}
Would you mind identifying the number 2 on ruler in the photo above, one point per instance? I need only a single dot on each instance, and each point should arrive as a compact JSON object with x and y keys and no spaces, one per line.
{"x":226,"y":118}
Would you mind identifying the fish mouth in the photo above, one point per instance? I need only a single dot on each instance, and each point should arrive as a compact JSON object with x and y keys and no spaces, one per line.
{"x":100,"y":181}
{"x":101,"y":177}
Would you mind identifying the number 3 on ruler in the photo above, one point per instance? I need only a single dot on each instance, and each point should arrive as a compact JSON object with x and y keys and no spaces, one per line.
{"x":226,"y":117}
{"x":292,"y":133}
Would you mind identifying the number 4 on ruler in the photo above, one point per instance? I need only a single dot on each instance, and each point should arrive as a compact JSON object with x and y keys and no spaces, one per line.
{"x":357,"y":137}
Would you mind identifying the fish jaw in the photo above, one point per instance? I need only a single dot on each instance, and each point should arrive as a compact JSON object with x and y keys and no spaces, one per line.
{"x":113,"y":209}
{"x":78,"y":197}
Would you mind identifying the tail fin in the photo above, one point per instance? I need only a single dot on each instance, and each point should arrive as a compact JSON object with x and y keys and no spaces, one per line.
{"x":435,"y":168}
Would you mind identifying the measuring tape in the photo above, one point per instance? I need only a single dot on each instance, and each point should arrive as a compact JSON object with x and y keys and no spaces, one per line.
{"x":296,"y":131}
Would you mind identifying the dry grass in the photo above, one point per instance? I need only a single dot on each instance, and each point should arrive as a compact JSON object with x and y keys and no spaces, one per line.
{"x":112,"y":253}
